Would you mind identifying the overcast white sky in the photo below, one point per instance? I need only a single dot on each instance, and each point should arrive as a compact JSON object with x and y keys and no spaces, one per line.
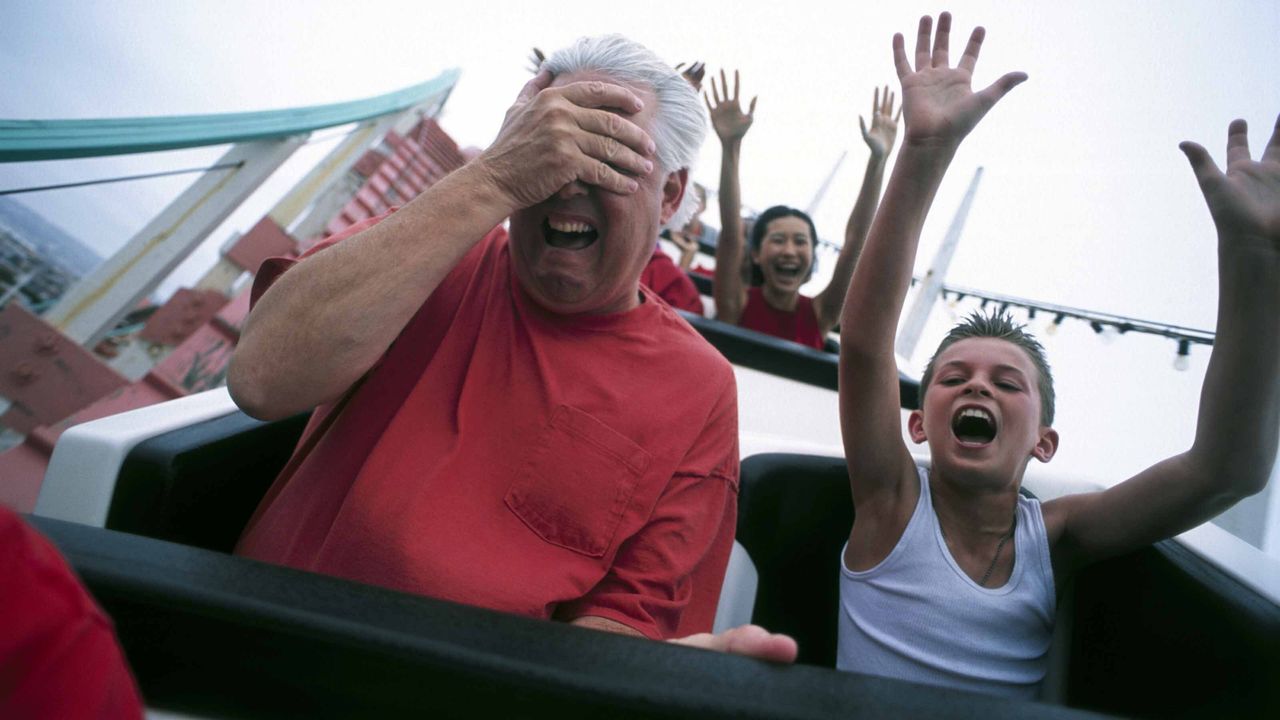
{"x":1086,"y":200}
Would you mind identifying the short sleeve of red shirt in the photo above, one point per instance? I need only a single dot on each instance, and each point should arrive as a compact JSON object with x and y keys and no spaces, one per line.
{"x":58,"y":651}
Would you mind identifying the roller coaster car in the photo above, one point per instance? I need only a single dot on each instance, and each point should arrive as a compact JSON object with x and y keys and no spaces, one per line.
{"x":150,"y":502}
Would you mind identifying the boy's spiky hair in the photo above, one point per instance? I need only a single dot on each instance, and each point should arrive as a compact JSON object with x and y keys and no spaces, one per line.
{"x":999,"y":325}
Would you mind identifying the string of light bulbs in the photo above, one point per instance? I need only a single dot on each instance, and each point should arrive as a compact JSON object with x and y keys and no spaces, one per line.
{"x":1107,"y":325}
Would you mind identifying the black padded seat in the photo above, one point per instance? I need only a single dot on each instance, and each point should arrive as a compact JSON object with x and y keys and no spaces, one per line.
{"x":794,"y":515}
{"x":220,"y":636}
{"x":702,"y":282}
{"x":198,"y":485}
{"x":1161,"y":633}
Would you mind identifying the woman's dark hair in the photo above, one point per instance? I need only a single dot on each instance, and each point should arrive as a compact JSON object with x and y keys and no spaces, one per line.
{"x":762,"y":225}
{"x":773,"y":213}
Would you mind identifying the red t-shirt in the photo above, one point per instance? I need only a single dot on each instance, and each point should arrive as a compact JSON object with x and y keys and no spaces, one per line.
{"x":799,"y":325}
{"x":666,"y":279}
{"x":504,"y":456}
{"x":58,"y":652}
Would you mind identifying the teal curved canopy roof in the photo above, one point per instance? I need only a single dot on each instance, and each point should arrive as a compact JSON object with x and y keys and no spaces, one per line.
{"x":25,"y":140}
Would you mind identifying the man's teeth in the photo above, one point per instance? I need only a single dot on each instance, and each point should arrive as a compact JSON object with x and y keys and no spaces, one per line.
{"x":976,"y":413}
{"x":570,"y":227}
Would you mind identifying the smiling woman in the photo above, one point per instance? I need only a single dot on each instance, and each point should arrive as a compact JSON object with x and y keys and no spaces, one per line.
{"x":783,"y":238}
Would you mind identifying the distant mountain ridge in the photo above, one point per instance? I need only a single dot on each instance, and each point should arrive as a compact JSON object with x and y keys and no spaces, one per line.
{"x":54,"y":244}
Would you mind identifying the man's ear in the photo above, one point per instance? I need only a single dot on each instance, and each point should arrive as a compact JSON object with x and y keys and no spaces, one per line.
{"x":1047,"y":446}
{"x":673,"y":189}
{"x":915,"y":426}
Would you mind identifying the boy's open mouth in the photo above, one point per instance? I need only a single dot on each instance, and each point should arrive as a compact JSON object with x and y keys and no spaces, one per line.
{"x":974,"y":426}
{"x":568,"y":235}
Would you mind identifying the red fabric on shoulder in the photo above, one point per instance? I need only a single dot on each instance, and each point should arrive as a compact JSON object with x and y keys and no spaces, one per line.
{"x":273,"y":268}
{"x":58,"y":652}
{"x":670,"y":283}
{"x":799,"y":325}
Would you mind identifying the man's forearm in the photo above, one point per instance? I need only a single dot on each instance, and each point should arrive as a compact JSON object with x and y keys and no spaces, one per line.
{"x":324,"y":323}
{"x":596,"y":622}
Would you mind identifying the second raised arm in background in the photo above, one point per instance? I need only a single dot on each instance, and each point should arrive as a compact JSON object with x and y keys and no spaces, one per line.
{"x":879,"y":139}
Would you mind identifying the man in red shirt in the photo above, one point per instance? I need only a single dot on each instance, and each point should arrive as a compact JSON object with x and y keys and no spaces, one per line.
{"x":511,"y":421}
{"x":670,"y":282}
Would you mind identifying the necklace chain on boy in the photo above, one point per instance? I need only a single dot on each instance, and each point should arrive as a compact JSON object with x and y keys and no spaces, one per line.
{"x":999,"y":546}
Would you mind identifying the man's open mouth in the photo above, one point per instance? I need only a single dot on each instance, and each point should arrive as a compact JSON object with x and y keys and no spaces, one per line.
{"x":974,"y":426}
{"x":568,"y":235}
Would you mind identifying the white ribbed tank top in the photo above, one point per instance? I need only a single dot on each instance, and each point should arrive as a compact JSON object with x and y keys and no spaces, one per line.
{"x":916,"y":616}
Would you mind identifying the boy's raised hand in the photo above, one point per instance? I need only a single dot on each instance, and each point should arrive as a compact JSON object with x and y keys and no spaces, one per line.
{"x":1245,"y":200}
{"x":940,"y":106}
{"x":1238,"y":421}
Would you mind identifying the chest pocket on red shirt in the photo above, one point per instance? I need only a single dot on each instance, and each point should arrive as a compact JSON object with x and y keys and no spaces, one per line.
{"x":574,"y":488}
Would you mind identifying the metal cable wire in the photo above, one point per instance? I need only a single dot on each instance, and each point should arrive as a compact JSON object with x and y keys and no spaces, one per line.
{"x":122,"y":178}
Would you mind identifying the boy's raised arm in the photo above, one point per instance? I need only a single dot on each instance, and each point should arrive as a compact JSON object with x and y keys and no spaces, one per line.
{"x":940,"y":109}
{"x":1238,"y":426}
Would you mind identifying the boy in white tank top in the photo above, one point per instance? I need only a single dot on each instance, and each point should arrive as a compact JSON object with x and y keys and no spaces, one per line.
{"x":948,"y":576}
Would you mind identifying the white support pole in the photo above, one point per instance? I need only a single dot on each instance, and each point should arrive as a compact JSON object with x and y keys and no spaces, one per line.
{"x":308,"y":206}
{"x":326,"y":188}
{"x":224,"y":273}
{"x":822,"y":189}
{"x":95,"y":304}
{"x":931,"y":286}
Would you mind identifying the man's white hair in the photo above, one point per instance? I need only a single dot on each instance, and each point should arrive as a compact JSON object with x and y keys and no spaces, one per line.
{"x":679,"y":124}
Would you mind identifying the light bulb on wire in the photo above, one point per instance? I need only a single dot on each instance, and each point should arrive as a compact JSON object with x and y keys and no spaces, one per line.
{"x":1182,"y":361}
{"x":1106,"y":333}
{"x":1052,"y":328}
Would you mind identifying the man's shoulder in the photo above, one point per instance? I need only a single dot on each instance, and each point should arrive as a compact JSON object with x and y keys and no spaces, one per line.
{"x":484,"y":257}
{"x":687,"y":346}
{"x":493,"y":241}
